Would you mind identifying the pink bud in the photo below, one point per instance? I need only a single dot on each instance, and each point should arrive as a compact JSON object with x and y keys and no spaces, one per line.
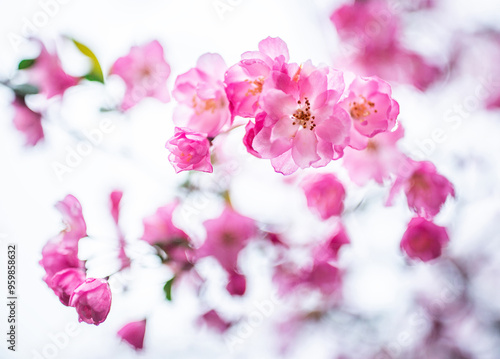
{"x":133,"y":333}
{"x":92,"y":300}
{"x":423,"y":239}
{"x":237,"y":284}
{"x":325,"y":195}
{"x":65,"y":282}
{"x":189,"y":151}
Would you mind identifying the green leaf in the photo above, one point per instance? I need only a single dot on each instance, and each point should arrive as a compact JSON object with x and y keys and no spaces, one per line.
{"x":26,"y":63}
{"x":25,"y":89}
{"x":95,"y":73}
{"x":168,"y":288}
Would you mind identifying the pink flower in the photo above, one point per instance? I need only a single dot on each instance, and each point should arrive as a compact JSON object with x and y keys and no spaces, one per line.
{"x":371,"y":106}
{"x":145,"y":73}
{"x":245,"y":80}
{"x":160,"y":231}
{"x":426,"y":190}
{"x":28,"y":122}
{"x":227,"y":235}
{"x":71,"y":210}
{"x":324,"y":277}
{"x":302,"y":126}
{"x":189,"y":151}
{"x":48,"y":75}
{"x":213,"y":320}
{"x":329,"y":250}
{"x":325,"y":194}
{"x":92,"y":300}
{"x":237,"y":284}
{"x":65,"y":281}
{"x":367,"y":24}
{"x":424,"y":240}
{"x":251,"y":129}
{"x":203,"y":105}
{"x":58,"y":255}
{"x":377,"y":161}
{"x":133,"y":333}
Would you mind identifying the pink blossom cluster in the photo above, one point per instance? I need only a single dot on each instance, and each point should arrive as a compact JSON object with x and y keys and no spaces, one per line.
{"x":65,"y":273}
{"x":297,"y":115}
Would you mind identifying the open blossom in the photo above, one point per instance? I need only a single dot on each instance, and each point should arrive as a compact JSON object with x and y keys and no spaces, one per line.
{"x":426,"y":190}
{"x":71,"y":210}
{"x":189,"y":151}
{"x":92,"y":300}
{"x":133,"y":333}
{"x":325,"y":194}
{"x":227,"y":235}
{"x":203,"y":104}
{"x":423,"y":239}
{"x":48,"y":75}
{"x":28,"y":122}
{"x":371,"y":106}
{"x":145,"y":73}
{"x":245,"y":80}
{"x":302,"y":125}
{"x":377,"y":161}
{"x":159,"y":230}
{"x":65,"y":282}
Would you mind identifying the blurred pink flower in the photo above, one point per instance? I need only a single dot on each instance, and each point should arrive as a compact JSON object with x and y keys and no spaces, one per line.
{"x":227,"y":235}
{"x":371,"y":106}
{"x":159,"y":230}
{"x":133,"y":333}
{"x":237,"y":284}
{"x":245,"y":80}
{"x":92,"y":300}
{"x":28,"y":122}
{"x":213,"y":320}
{"x":203,"y":105}
{"x":48,"y":75}
{"x":302,"y":127}
{"x":58,"y":255}
{"x":65,"y":281}
{"x":426,"y":190}
{"x":377,"y":161}
{"x":423,"y":239}
{"x":71,"y":211}
{"x":325,"y":194}
{"x":115,"y":198}
{"x":145,"y":73}
{"x":324,"y":277}
{"x":189,"y":151}
{"x":329,"y":250}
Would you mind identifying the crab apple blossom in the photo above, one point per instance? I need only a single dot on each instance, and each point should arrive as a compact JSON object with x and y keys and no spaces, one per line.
{"x":377,"y":161}
{"x":58,"y":255}
{"x":227,"y":235}
{"x":302,"y":125}
{"x":48,"y":75}
{"x":92,"y":300}
{"x":28,"y":122}
{"x":65,"y":281}
{"x":424,"y":240}
{"x":189,"y":151}
{"x":133,"y":333}
{"x":203,"y":104}
{"x":160,"y":231}
{"x":426,"y":190}
{"x":145,"y":73}
{"x":245,"y":80}
{"x":370,"y":106}
{"x":325,"y":194}
{"x":71,"y":211}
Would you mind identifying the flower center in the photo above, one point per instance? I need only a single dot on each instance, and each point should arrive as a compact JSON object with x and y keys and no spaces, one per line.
{"x":206,"y":105}
{"x":302,"y":116}
{"x":257,"y":89}
{"x":361,"y":109}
